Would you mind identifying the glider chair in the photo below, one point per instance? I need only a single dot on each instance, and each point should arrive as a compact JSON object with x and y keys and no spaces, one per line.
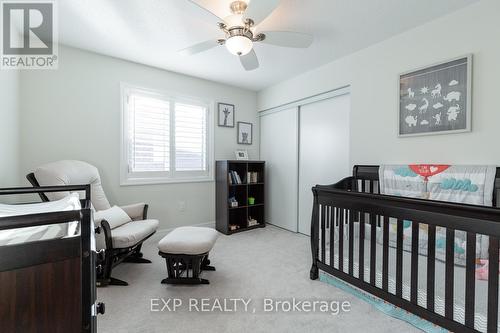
{"x":120,"y":231}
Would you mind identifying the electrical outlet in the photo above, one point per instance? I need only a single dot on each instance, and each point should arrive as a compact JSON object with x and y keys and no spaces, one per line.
{"x":181,"y":205}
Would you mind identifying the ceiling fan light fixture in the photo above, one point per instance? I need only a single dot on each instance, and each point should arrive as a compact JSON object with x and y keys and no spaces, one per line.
{"x":235,"y":20}
{"x":239,"y":45}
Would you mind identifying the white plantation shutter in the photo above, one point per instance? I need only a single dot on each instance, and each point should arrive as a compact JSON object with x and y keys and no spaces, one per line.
{"x":149,"y":134}
{"x":165,"y":139}
{"x":190,"y":137}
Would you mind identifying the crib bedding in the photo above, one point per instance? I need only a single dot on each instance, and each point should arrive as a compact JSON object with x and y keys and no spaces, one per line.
{"x":460,"y":241}
{"x":40,"y":233}
{"x":467,"y":184}
{"x":459,"y":293}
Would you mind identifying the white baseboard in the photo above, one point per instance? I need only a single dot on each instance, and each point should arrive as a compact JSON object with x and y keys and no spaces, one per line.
{"x":205,"y":224}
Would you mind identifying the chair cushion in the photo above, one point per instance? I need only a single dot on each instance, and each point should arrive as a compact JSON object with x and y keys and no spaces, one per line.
{"x":69,"y":172}
{"x":188,"y":240}
{"x":114,"y":215}
{"x":132,"y":233}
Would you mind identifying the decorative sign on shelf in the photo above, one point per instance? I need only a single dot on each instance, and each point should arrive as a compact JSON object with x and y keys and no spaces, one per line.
{"x":436,"y":99}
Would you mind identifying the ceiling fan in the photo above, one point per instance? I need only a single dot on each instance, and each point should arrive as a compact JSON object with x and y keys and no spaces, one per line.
{"x":240,"y":32}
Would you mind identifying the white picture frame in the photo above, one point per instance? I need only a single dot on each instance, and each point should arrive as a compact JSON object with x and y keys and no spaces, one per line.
{"x":440,"y":98}
{"x":241,"y":155}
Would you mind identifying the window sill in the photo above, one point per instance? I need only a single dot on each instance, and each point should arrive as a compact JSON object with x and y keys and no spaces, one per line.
{"x":158,"y":181}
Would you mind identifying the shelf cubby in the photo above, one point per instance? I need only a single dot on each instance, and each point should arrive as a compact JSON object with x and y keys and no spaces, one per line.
{"x":226,"y":187}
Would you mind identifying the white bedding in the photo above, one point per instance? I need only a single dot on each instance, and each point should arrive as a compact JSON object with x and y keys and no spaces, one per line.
{"x":30,"y":234}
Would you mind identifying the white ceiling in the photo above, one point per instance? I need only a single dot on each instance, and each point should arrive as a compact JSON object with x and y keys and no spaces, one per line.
{"x":151,"y":31}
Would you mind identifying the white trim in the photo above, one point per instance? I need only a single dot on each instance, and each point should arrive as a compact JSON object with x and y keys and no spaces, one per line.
{"x":164,"y":180}
{"x":308,"y":100}
{"x":167,"y":177}
{"x":210,"y":224}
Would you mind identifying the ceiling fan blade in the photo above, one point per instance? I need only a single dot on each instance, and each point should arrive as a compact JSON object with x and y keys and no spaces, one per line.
{"x":217,"y":17}
{"x":200,"y":47}
{"x":258,"y":10}
{"x":288,"y":39}
{"x":249,"y":61}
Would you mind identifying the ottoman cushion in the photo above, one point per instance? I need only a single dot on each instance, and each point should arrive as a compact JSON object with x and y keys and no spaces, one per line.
{"x":188,"y":240}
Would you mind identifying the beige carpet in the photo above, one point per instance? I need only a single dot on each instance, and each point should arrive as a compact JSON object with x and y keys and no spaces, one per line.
{"x":258,"y":264}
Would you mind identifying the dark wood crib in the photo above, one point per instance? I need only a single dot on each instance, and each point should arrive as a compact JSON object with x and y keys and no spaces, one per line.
{"x":341,"y":209}
{"x":49,"y":285}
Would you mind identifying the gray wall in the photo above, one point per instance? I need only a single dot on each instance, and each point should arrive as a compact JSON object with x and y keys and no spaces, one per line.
{"x":9,"y":128}
{"x":74,"y":113}
{"x":373,"y":73}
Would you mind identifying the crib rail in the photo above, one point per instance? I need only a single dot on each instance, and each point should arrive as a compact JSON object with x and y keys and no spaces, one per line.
{"x":354,"y":204}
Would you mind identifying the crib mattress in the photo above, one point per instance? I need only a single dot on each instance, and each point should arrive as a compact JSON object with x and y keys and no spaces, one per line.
{"x":481,"y":291}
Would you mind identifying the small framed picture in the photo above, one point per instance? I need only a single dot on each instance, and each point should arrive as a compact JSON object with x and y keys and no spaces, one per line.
{"x":241,"y":155}
{"x":226,"y":115}
{"x":244,"y":133}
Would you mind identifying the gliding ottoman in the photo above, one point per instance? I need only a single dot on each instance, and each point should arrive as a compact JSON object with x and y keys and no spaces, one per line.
{"x":185,"y":250}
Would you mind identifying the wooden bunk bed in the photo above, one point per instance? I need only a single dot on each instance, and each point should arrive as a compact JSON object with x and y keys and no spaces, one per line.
{"x":360,"y":256}
{"x":48,"y":284}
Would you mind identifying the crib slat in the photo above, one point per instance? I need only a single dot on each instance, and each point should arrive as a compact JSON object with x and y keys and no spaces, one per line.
{"x":493,"y":285}
{"x":470,"y":269}
{"x":340,"y":213}
{"x":373,"y":243}
{"x":414,"y":261}
{"x":362,"y":248}
{"x":327,"y":217}
{"x":449,"y":273}
{"x":332,"y":237}
{"x":351,"y":242}
{"x":323,"y":233}
{"x":431,"y":266}
{"x":362,"y":215}
{"x":371,"y":186}
{"x":354,"y":185}
{"x":399,"y":259}
{"x":385,"y":255}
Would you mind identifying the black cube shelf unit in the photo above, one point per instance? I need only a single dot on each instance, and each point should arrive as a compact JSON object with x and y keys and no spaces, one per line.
{"x":227,"y":187}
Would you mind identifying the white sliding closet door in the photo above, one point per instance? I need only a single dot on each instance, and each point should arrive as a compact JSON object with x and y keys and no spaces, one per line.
{"x":323,"y":150}
{"x":279,"y":148}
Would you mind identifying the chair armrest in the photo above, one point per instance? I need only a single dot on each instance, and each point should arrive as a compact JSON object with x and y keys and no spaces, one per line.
{"x":137,"y":211}
{"x":102,"y":235}
{"x":107,"y":234}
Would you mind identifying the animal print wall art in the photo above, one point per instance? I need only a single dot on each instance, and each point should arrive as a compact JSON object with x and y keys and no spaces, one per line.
{"x":436,"y":99}
{"x":244,"y":133}
{"x":226,"y":115}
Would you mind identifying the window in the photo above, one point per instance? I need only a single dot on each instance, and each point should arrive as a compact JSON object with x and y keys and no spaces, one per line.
{"x":165,"y":138}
